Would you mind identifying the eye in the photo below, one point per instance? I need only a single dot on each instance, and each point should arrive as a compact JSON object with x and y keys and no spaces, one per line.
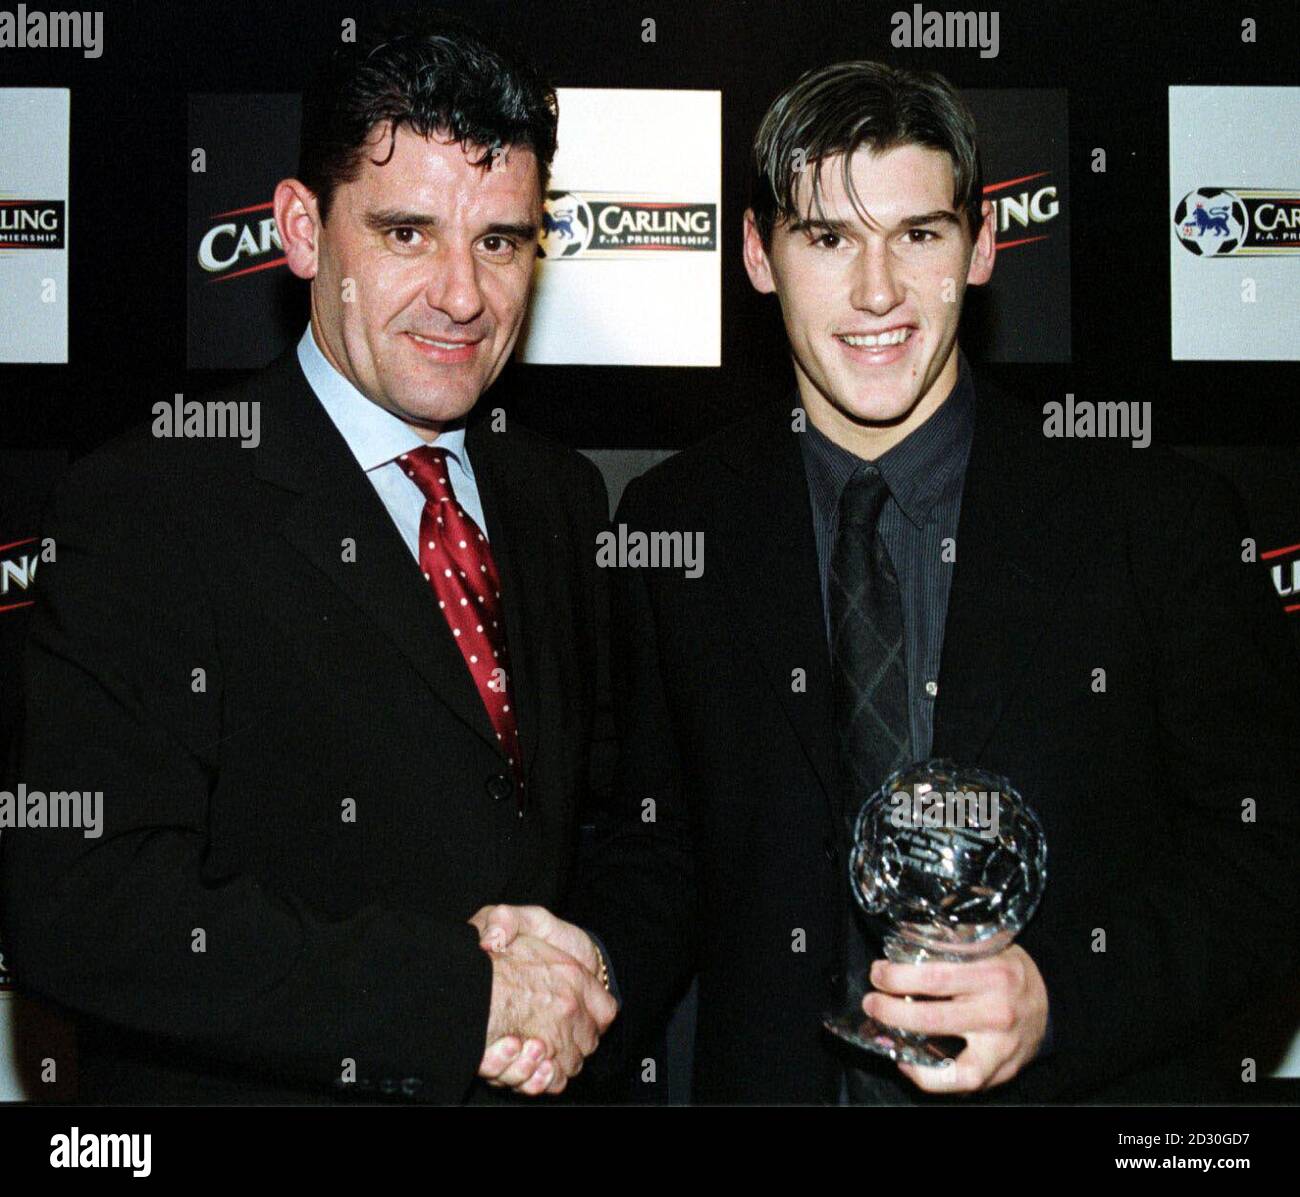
{"x":405,"y":235}
{"x":498,"y":245}
{"x":828,"y":241}
{"x":928,"y":234}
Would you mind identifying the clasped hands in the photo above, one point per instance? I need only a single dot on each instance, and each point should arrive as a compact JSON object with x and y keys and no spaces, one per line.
{"x":548,"y":1009}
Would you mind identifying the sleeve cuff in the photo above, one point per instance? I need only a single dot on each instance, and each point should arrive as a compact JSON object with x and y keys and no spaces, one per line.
{"x":609,"y":967}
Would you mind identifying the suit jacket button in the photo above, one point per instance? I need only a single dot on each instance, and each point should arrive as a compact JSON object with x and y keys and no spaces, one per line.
{"x":500,"y":787}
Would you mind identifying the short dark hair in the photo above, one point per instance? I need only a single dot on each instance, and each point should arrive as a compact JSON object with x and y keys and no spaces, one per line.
{"x":837,"y":109}
{"x":428,"y":72}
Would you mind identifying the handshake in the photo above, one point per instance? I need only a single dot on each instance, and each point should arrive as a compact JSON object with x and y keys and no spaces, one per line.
{"x":549,"y":1007}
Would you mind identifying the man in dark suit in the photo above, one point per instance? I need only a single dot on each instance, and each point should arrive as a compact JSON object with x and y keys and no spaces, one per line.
{"x":907,"y":565}
{"x":335,"y":680}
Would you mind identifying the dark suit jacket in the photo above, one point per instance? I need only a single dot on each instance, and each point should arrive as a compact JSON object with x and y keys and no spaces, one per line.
{"x":326,"y":681}
{"x":1072,"y":556}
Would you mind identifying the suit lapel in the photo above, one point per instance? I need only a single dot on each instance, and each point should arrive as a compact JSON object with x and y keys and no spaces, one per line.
{"x":302,"y":451}
{"x":1010,"y":567}
{"x":773,"y":581}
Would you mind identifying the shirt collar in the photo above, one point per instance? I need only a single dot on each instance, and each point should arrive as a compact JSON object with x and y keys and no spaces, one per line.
{"x":374,"y":435}
{"x":917,"y":470}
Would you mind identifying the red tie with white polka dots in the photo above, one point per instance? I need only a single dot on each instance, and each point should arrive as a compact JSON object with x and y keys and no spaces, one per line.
{"x":458,"y":564}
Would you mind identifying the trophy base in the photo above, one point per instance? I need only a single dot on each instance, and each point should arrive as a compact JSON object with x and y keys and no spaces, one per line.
{"x":907,"y":1047}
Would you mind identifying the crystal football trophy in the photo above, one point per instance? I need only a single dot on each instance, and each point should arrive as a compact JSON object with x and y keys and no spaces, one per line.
{"x":953,"y":862}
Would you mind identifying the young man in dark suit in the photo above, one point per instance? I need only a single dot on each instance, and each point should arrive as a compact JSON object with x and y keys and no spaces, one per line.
{"x":336,"y":685}
{"x":905,"y":565}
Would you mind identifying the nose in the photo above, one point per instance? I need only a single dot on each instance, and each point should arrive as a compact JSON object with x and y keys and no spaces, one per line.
{"x":874,"y":287}
{"x":453,"y":286}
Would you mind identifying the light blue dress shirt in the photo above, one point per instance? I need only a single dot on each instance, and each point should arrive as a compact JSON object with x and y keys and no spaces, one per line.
{"x":377,"y":438}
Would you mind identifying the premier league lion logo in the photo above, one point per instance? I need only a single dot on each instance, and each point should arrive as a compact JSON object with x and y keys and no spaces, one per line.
{"x":1210,"y":221}
{"x":566,"y":225}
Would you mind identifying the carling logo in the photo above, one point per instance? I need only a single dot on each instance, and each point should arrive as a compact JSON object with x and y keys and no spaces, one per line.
{"x":17,"y":573}
{"x":31,"y":224}
{"x":590,"y":225}
{"x":239,"y":242}
{"x":1284,"y":568}
{"x":1026,"y":210}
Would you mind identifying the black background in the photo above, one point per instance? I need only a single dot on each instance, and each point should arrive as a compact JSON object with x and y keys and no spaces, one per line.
{"x":130,"y":169}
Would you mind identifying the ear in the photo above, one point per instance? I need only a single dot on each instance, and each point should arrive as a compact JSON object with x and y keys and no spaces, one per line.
{"x":757,"y":265}
{"x":981,"y":262}
{"x":298,"y":221}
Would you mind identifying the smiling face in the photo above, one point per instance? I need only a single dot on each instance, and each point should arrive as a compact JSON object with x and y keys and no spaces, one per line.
{"x":420,"y":277}
{"x":871,"y":305}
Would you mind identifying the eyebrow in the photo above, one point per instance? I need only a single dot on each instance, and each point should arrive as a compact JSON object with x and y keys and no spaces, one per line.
{"x":392,"y":218}
{"x":811,"y":223}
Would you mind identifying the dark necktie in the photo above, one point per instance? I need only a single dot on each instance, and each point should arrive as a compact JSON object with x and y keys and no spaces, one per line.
{"x":869,"y":688}
{"x":872,"y":722}
{"x":459,"y":566}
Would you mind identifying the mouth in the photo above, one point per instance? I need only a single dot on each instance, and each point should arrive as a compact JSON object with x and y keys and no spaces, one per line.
{"x":439,"y":350}
{"x":878,"y":349}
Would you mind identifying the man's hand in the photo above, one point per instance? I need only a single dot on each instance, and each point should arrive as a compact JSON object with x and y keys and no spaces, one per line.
{"x":998,"y":1005}
{"x":498,"y":926}
{"x":548,"y":1010}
